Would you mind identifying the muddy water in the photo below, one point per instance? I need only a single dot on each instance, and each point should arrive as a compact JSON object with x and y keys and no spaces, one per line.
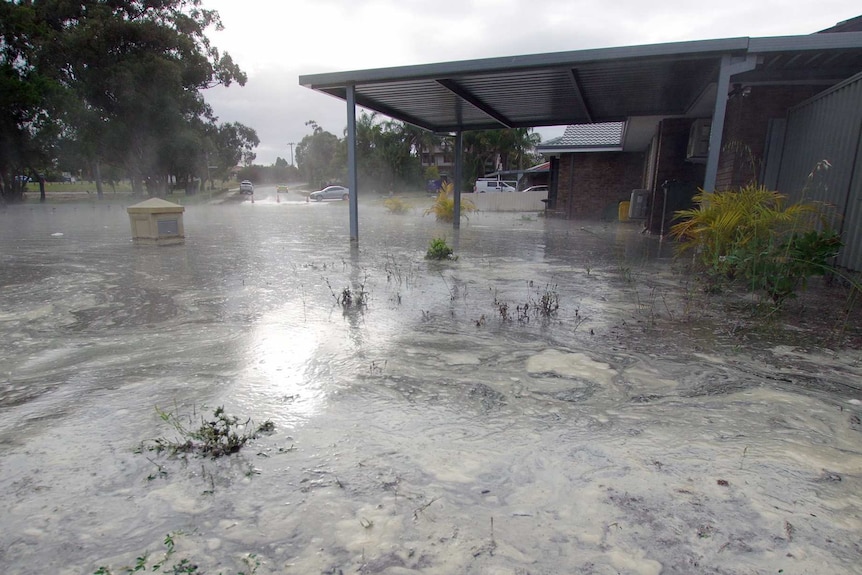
{"x":440,"y":428}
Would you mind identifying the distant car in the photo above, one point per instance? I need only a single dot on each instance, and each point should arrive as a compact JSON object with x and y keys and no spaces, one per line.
{"x":246,"y":187}
{"x":536,"y":189}
{"x":330,"y":193}
{"x":483,"y":185}
{"x":281,"y":188}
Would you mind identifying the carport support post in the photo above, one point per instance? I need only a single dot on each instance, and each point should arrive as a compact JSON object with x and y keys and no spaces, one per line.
{"x":729,"y":67}
{"x":459,"y":150}
{"x":352,"y":183}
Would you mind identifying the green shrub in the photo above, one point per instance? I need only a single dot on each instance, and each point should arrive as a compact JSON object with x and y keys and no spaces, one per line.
{"x":751,"y":235}
{"x":780,"y":270}
{"x":438,"y":250}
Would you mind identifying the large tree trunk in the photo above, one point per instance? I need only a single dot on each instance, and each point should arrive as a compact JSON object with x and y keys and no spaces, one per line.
{"x":42,"y":197}
{"x":137,"y":187}
{"x":11,"y":189}
{"x":97,"y":173}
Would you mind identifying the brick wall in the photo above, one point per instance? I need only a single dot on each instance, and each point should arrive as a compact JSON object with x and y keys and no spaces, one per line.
{"x":745,"y":128}
{"x":672,"y":166}
{"x":673,"y":144}
{"x":591,"y":185}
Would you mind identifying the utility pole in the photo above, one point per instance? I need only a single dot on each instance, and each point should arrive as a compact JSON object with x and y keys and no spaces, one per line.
{"x":291,"y":144}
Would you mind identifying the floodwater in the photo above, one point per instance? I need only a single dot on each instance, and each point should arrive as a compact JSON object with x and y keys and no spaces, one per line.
{"x":437,"y":429}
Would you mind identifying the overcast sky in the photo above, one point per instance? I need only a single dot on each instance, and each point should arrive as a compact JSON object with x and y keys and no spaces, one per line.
{"x":275,"y":41}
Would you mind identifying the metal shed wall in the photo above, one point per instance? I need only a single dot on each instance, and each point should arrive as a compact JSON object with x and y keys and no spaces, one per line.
{"x":829,"y":127}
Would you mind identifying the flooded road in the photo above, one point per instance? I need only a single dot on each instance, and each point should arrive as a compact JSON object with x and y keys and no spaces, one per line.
{"x":448,"y":425}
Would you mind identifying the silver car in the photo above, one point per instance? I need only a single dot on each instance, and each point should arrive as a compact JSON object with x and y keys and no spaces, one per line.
{"x":330,"y":193}
{"x":536,"y":189}
{"x":246,"y":187}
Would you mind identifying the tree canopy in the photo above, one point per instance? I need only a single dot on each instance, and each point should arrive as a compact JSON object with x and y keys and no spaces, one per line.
{"x":388,"y":153}
{"x":114,"y":82}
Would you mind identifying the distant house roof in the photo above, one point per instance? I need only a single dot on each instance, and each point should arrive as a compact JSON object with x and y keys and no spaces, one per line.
{"x":543,"y":167}
{"x":604,"y":136}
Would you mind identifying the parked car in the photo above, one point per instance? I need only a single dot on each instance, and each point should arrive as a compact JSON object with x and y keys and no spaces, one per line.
{"x":246,"y":187}
{"x":483,"y":185}
{"x":536,"y":189}
{"x":281,"y":188}
{"x":330,"y":193}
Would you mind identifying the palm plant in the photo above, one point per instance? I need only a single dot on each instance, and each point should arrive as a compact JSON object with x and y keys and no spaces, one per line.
{"x":753,"y":234}
{"x":444,"y":205}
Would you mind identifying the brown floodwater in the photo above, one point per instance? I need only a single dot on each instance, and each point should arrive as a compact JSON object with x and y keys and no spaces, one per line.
{"x":447,"y":425}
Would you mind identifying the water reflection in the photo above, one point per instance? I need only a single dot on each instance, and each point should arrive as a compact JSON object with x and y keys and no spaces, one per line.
{"x":279,"y":370}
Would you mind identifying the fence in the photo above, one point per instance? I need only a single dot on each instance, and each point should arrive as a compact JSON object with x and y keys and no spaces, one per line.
{"x":508,"y":201}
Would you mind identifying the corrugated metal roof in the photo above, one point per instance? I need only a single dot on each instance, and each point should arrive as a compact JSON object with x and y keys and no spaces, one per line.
{"x":585,"y":86}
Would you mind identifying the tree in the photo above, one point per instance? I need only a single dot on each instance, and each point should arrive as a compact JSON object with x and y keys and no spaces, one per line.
{"x":232,"y":144}
{"x":126,"y":78}
{"x":28,"y":129}
{"x":487,"y":150}
{"x":316,"y":156}
{"x":388,"y":153}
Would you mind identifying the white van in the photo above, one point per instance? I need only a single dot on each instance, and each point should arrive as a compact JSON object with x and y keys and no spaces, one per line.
{"x":483,"y":185}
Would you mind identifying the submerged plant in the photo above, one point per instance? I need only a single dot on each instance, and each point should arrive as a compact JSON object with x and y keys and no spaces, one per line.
{"x":545,"y":305}
{"x":185,"y":565}
{"x":438,"y":249}
{"x":221,"y":435}
{"x":549,"y":301}
{"x":444,"y":205}
{"x":350,"y":298}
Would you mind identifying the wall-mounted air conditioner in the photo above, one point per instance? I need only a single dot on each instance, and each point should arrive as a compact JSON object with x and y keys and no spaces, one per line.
{"x":698,"y":140}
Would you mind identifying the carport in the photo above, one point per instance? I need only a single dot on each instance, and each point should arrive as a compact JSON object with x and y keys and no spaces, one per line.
{"x":683,"y":79}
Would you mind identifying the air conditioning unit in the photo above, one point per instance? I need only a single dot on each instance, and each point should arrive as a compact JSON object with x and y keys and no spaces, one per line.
{"x":638,"y":204}
{"x":698,"y":140}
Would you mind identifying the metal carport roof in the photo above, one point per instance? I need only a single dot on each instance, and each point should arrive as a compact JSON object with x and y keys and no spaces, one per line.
{"x":583,"y":86}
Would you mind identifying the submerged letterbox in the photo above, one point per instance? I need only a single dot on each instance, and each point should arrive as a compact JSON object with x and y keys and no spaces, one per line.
{"x":157,"y":222}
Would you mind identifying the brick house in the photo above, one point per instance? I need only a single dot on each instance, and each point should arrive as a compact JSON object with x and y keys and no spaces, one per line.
{"x":705,"y":114}
{"x":597,"y":166}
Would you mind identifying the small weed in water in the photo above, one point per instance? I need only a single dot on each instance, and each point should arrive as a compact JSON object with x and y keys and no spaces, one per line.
{"x":549,"y":301}
{"x":438,"y":249}
{"x":143,"y":563}
{"x":220,"y":435}
{"x":350,"y":298}
{"x":545,"y":305}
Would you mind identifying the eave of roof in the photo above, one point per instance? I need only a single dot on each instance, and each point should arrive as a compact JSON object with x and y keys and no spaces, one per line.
{"x":584,"y":86}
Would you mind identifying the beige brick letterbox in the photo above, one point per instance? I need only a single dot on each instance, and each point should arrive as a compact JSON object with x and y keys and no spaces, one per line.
{"x":157,"y":222}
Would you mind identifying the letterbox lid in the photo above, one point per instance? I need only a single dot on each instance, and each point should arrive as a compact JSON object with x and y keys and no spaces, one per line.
{"x":155,"y":206}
